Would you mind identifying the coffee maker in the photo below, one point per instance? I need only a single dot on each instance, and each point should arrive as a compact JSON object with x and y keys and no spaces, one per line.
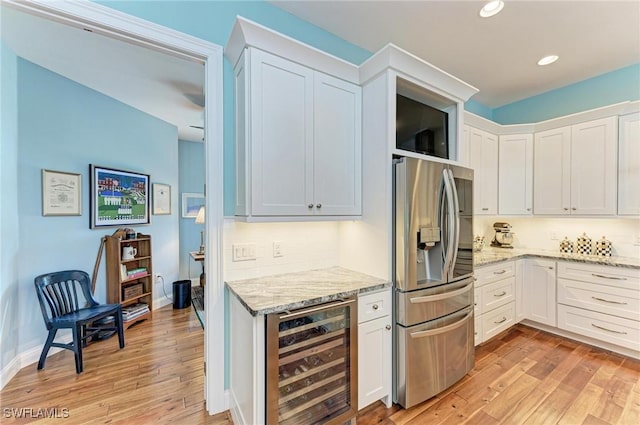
{"x":503,"y":237}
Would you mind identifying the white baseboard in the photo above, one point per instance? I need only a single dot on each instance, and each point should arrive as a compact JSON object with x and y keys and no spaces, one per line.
{"x":236,"y":414}
{"x":161,"y":302}
{"x":27,"y":358}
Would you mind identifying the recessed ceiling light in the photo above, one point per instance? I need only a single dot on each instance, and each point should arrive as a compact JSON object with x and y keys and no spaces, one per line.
{"x":491,"y":8}
{"x":547,"y":60}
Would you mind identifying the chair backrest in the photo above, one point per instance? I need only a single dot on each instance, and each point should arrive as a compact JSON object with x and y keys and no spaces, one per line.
{"x":63,"y":292}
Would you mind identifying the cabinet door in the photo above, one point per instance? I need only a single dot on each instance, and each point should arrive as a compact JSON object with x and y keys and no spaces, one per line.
{"x":337,"y":147}
{"x":540,"y":291}
{"x":374,"y":360}
{"x":483,"y":149}
{"x":551,"y":172}
{"x":281,"y":136}
{"x":515,"y":174}
{"x":629,"y":165}
{"x":594,"y":167}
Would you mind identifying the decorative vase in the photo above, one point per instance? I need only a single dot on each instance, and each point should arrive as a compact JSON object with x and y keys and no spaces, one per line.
{"x":566,"y":246}
{"x":604,"y":247}
{"x":583,"y":245}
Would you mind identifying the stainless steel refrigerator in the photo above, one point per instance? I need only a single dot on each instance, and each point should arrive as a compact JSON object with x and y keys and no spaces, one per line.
{"x":433,"y":277}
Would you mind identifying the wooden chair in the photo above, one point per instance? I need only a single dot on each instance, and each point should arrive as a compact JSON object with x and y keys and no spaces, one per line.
{"x":67,"y":303}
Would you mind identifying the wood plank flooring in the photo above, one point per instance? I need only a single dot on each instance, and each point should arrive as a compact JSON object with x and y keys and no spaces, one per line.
{"x":523,"y":376}
{"x":530,"y":377}
{"x":158,"y":378}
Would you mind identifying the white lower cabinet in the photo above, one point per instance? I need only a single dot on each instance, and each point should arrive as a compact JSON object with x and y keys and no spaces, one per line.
{"x":539,"y":291}
{"x":374,"y":348}
{"x":600,"y":302}
{"x":494,"y":294}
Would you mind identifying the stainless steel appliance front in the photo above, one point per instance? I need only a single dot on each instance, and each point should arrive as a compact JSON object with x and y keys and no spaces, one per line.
{"x":312,"y":365}
{"x":433,"y":277}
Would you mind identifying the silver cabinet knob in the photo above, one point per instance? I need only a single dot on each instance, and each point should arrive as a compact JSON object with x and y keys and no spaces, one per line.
{"x":574,"y":208}
{"x":318,"y":205}
{"x":388,"y":327}
{"x":566,"y":209}
{"x":528,"y":209}
{"x":310,"y":205}
{"x":375,"y":306}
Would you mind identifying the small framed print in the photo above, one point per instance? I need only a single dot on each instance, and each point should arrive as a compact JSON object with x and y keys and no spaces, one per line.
{"x":161,"y":199}
{"x":191,"y":203}
{"x":61,"y":193}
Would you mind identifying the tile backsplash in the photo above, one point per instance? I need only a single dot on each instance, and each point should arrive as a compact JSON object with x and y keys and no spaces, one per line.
{"x":537,"y":233}
{"x":304,"y":246}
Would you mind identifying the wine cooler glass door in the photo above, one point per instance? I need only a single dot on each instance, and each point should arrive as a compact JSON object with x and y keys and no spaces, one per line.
{"x":312,"y":365}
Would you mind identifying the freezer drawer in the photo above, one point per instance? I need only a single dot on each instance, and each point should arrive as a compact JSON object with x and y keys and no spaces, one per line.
{"x":433,"y":356}
{"x":427,"y":304}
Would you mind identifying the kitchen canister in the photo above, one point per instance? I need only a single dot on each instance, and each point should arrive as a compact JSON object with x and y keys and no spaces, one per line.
{"x":566,"y":246}
{"x":604,"y":247}
{"x":583,"y":245}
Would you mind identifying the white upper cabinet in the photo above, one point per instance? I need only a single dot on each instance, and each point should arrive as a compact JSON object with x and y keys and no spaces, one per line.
{"x":298,"y":140}
{"x":515,"y":174}
{"x":483,"y":158}
{"x":551,"y":171}
{"x":629,"y":164}
{"x":594,"y":167}
{"x":575,"y":169}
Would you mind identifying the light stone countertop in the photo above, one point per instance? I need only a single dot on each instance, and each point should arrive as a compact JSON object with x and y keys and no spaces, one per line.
{"x":271,"y":294}
{"x":496,"y":255}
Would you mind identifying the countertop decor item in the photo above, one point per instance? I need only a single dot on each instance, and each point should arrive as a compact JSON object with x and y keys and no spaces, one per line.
{"x":604,"y":247}
{"x":583,"y":245}
{"x":478,"y":243}
{"x":566,"y":246}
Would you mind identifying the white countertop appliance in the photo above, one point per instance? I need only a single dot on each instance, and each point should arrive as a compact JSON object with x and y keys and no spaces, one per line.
{"x":503,"y":237}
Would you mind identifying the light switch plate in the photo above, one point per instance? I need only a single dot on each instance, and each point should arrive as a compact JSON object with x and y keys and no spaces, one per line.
{"x":243,"y":251}
{"x":277,"y":249}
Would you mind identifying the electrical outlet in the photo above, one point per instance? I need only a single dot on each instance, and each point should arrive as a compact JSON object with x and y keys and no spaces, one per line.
{"x":554,"y":235}
{"x":277,"y":249}
{"x":157,"y":277}
{"x":244,"y":251}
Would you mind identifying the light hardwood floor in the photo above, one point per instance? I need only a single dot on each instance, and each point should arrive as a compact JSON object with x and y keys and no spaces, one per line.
{"x":525,"y":376}
{"x":522,"y":376}
{"x":158,"y":378}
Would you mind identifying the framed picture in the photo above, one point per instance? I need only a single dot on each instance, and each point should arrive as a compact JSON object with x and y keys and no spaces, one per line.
{"x":161,"y":199}
{"x":191,"y":203}
{"x":61,"y":193}
{"x":118,"y":198}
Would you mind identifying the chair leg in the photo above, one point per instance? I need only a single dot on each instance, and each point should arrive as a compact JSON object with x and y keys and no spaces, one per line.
{"x":119,"y":325}
{"x":77,"y":347}
{"x":47,"y":346}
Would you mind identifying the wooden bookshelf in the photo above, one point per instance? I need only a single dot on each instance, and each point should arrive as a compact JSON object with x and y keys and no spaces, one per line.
{"x":123,"y":288}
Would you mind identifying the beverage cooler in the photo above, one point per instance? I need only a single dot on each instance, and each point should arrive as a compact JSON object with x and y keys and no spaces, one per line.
{"x":312,"y":365}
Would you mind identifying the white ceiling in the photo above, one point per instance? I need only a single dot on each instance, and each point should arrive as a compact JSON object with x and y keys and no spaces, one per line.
{"x":162,"y":85}
{"x":497,"y":55}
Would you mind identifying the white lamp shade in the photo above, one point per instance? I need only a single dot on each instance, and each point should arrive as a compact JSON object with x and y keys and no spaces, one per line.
{"x":200,"y":216}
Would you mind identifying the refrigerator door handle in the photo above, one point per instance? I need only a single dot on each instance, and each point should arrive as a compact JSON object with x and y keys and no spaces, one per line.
{"x":450,"y":226}
{"x":440,"y":297}
{"x":456,"y":221}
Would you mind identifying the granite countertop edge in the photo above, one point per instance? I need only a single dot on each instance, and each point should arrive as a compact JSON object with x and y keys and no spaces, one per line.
{"x":501,"y":256}
{"x":264,"y":302}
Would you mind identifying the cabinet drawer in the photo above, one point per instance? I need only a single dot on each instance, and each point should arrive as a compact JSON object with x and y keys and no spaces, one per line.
{"x":611,"y":329}
{"x":601,"y":298}
{"x":374,"y":305}
{"x":618,"y":277}
{"x":497,"y":294}
{"x":488,"y":274}
{"x":498,"y":320}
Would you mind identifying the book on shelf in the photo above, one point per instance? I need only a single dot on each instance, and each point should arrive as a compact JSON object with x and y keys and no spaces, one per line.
{"x":135,"y":273}
{"x":133,"y":311}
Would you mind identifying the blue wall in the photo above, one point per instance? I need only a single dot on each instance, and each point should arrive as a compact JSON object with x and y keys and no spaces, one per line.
{"x":191,"y":171}
{"x":478,"y":109}
{"x":65,"y":126}
{"x":9,"y":217}
{"x":613,"y":87}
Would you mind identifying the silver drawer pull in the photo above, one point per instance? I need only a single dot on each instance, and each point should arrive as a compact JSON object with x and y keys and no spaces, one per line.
{"x":609,"y":301}
{"x":500,"y":272}
{"x":388,"y":327}
{"x":608,"y":330}
{"x":375,"y":306}
{"x":608,"y":277}
{"x":485,"y":209}
{"x":501,"y":294}
{"x":504,"y":319}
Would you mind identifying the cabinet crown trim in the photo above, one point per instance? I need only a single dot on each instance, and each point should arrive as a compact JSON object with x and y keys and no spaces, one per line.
{"x":246,"y":33}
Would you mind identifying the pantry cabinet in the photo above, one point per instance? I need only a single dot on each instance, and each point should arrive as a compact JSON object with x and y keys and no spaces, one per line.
{"x":298,"y":134}
{"x":515,"y":174}
{"x":629,"y":164}
{"x":483,"y":158}
{"x":575,"y":169}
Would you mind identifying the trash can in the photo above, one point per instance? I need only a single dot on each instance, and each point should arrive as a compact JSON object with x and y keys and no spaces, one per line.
{"x":181,"y":294}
